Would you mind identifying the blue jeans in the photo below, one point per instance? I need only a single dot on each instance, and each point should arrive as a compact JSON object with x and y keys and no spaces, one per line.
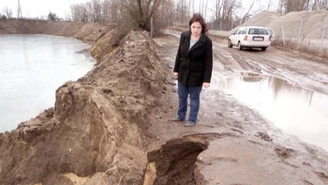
{"x":183,"y":92}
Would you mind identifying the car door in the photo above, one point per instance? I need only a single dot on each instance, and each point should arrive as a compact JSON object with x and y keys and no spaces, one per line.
{"x":271,"y":32}
{"x":234,"y":37}
{"x":242,"y":35}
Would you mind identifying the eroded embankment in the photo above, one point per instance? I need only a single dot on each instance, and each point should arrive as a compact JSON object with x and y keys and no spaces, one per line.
{"x":88,"y":32}
{"x":94,"y":134}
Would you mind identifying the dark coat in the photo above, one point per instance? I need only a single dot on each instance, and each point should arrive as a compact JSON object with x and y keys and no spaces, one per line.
{"x":195,"y":65}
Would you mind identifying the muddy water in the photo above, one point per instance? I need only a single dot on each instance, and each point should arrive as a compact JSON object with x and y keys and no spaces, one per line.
{"x":32,"y":67}
{"x":296,"y":111}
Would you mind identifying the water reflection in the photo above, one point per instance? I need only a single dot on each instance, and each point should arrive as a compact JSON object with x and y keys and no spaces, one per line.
{"x":295,"y":110}
{"x":32,"y":67}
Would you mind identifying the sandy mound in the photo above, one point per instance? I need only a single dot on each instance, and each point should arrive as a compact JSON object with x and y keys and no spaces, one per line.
{"x":94,"y":134}
{"x":312,"y":23}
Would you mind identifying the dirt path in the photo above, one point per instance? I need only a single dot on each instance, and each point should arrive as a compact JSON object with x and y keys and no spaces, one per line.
{"x":234,"y":144}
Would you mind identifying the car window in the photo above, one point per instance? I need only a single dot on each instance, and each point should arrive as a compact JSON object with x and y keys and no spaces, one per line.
{"x":258,"y":31}
{"x":239,"y":32}
{"x":270,"y":31}
{"x":244,"y":31}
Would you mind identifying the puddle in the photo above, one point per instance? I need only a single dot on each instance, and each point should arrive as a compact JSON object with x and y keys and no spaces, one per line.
{"x":295,"y":110}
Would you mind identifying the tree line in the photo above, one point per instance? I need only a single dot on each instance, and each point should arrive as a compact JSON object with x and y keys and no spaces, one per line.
{"x":286,"y":6}
{"x":169,"y":12}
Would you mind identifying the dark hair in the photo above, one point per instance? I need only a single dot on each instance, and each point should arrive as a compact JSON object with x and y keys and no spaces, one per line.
{"x":197,"y":17}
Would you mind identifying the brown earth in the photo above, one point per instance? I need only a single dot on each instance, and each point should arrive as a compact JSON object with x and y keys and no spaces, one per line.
{"x":111,"y":126}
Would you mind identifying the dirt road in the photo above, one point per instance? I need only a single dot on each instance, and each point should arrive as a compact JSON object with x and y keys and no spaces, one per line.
{"x":242,"y":146}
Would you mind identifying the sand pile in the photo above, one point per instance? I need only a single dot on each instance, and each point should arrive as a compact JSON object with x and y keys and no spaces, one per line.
{"x":312,"y":23}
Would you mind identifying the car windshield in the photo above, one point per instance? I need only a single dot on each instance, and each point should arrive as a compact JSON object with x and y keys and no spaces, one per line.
{"x":258,"y":31}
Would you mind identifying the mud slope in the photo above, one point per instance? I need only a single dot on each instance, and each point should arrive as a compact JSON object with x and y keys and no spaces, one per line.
{"x":88,"y":32}
{"x":93,"y":135}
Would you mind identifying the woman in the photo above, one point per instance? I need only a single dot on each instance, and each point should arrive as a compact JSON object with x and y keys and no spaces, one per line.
{"x":193,"y":68}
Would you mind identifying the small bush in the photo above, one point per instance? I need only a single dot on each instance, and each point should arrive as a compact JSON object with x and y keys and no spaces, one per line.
{"x":3,"y":17}
{"x":52,"y":17}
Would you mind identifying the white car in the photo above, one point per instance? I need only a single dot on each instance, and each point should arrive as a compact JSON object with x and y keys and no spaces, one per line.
{"x":250,"y":37}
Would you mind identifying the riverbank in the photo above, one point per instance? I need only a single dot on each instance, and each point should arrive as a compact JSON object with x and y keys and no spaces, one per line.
{"x":95,"y":132}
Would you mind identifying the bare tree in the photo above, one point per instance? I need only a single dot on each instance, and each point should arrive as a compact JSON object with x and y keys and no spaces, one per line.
{"x":229,"y":7}
{"x":218,"y":8}
{"x":164,"y":16}
{"x":192,"y":6}
{"x":97,"y":10}
{"x":286,"y":6}
{"x":205,"y":9}
{"x":8,"y":12}
{"x":106,"y":10}
{"x":324,"y":5}
{"x":319,"y":5}
{"x":181,"y":12}
{"x":68,"y":16}
{"x":19,"y":10}
{"x":126,"y":13}
{"x":94,"y":11}
{"x":315,"y":5}
{"x":269,"y":5}
{"x":281,"y":6}
{"x":225,"y":13}
{"x":296,"y":5}
{"x":79,"y":12}
{"x":246,"y":15}
{"x":141,"y":11}
{"x":110,"y":10}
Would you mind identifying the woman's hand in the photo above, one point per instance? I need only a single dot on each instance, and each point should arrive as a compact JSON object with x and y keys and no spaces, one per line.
{"x":175,"y":74}
{"x":206,"y":84}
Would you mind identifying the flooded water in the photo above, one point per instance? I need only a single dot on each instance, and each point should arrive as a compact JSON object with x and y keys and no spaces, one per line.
{"x":32,"y":67}
{"x":296,"y":111}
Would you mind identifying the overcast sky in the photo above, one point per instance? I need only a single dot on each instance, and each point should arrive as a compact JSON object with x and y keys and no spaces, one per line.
{"x":41,"y":8}
{"x":38,"y":8}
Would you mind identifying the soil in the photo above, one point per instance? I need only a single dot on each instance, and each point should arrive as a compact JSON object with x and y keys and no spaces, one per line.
{"x":112,"y":125}
{"x":241,"y":146}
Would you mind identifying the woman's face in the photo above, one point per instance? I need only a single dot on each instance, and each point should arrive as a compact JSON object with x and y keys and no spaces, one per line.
{"x":196,"y":28}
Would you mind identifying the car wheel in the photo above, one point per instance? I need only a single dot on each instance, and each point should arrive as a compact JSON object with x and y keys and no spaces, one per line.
{"x":240,"y":46}
{"x":229,"y":44}
{"x":264,"y":48}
